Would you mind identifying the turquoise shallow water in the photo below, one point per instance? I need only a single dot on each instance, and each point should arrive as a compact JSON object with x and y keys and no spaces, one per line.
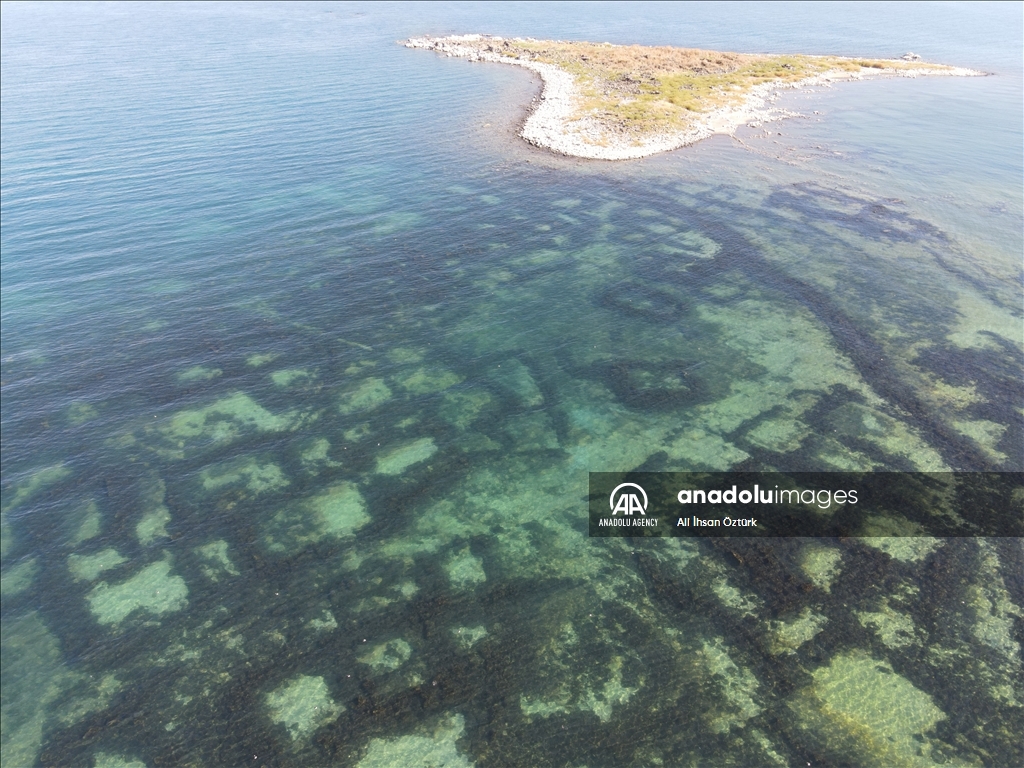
{"x":305,"y":359}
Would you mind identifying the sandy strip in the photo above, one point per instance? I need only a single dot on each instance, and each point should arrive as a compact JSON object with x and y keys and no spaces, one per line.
{"x":554,"y":124}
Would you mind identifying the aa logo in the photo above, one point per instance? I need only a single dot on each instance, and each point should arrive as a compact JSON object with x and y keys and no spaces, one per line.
{"x":625,"y":501}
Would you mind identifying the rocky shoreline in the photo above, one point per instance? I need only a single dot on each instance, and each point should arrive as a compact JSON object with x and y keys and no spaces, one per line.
{"x":559,"y":124}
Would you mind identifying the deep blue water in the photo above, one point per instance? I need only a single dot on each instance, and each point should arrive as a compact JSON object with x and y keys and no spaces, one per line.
{"x":298,"y":333}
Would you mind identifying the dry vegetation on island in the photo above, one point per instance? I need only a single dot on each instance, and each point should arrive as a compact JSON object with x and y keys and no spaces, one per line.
{"x":639,"y":88}
{"x":653,"y":98}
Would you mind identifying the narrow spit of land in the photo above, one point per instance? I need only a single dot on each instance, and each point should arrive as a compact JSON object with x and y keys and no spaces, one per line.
{"x":619,"y":102}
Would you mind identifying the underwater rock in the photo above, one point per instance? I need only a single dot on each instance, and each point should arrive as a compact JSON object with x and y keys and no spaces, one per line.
{"x":288,"y":376}
{"x":317,"y":456}
{"x":467,"y":637}
{"x":256,"y":477}
{"x":302,"y":705}
{"x":779,"y":435}
{"x":787,"y":636}
{"x":732,"y":597}
{"x":464,"y":570}
{"x":398,"y":459}
{"x":337,"y":512}
{"x":515,"y":379}
{"x":340,"y":510}
{"x":994,"y":611}
{"x":737,"y":684}
{"x":894,"y":629}
{"x":36,"y":482}
{"x":86,"y":522}
{"x":531,"y":432}
{"x":460,"y":409}
{"x":326,"y":621}
{"x":387,"y":656}
{"x":6,"y":536}
{"x":256,"y":360}
{"x":405,"y":355}
{"x":437,"y":749}
{"x":79,"y":413}
{"x":219,"y":423}
{"x":108,"y":760}
{"x":894,"y":438}
{"x":89,"y":567}
{"x":641,"y":300}
{"x":153,"y":524}
{"x":18,"y":578}
{"x":366,"y":396}
{"x":644,"y":385}
{"x":861,"y":711}
{"x":820,"y":564}
{"x":217,"y":560}
{"x":906,"y":548}
{"x":34,"y":676}
{"x":152,"y":589}
{"x":425,"y":381}
{"x":198,"y":373}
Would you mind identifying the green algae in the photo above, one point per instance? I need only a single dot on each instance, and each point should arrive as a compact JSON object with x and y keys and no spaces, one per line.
{"x":387,"y":656}
{"x":153,"y":589}
{"x":464,"y":570}
{"x":403,"y":456}
{"x":860,"y":709}
{"x":257,"y":478}
{"x":366,"y":396}
{"x":302,"y":705}
{"x":18,"y":578}
{"x":90,"y":567}
{"x":198,"y":373}
{"x":34,"y":484}
{"x":424,"y":381}
{"x":437,"y":748}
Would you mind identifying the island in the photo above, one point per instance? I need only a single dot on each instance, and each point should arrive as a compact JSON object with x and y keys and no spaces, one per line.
{"x":620,"y":102}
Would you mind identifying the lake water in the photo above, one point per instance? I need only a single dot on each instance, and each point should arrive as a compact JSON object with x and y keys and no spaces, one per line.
{"x":306,"y":358}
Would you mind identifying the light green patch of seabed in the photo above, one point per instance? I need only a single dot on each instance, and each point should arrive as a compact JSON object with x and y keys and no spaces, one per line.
{"x":302,"y":705}
{"x":422,"y":556}
{"x":153,"y":589}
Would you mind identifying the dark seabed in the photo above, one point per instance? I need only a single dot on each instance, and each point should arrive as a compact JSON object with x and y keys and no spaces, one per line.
{"x":306,"y":358}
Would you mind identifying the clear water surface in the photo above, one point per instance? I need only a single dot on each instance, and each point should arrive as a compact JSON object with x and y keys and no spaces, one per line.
{"x":305,"y":359}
